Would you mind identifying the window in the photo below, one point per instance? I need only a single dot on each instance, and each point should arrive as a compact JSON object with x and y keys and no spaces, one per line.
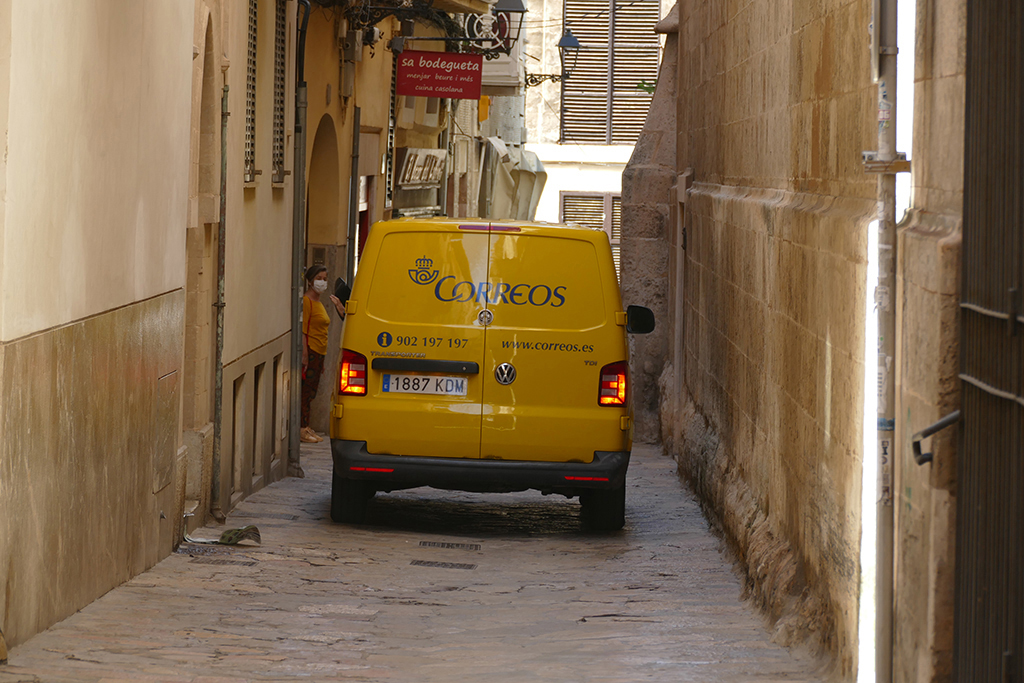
{"x":604,"y":102}
{"x":600,"y":211}
{"x":280,"y":56}
{"x":250,"y":100}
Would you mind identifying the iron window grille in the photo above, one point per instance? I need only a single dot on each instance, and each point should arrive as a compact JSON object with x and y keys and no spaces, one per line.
{"x":280,"y":56}
{"x":249,"y":167}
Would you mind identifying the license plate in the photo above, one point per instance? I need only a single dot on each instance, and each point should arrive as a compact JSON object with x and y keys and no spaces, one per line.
{"x":424,"y":384}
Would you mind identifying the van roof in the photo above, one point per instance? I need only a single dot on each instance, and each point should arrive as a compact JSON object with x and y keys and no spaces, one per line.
{"x":441,"y":222}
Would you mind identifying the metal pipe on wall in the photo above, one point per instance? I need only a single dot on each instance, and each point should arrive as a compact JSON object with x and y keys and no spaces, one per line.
{"x":216,"y":508}
{"x":298,"y":248}
{"x":885,"y":298}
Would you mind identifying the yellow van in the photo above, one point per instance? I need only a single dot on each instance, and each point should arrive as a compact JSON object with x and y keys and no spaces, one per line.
{"x":487,"y":357}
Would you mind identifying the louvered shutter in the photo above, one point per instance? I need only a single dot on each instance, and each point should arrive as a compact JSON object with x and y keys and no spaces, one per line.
{"x":635,"y":56}
{"x":585,"y":102}
{"x":618,"y":49}
{"x":585,"y":209}
{"x":616,"y":234}
{"x":598,"y":211}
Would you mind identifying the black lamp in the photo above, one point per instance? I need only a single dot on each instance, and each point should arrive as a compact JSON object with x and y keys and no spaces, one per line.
{"x":568,"y":51}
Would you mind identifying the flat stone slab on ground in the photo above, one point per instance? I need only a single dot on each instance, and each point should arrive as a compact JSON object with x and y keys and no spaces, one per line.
{"x":437,"y":586}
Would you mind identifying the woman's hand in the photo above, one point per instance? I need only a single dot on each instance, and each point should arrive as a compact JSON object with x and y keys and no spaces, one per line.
{"x":337,"y":305}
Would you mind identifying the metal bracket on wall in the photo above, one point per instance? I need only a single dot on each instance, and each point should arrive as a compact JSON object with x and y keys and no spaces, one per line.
{"x":872,"y":164}
{"x":922,"y":458}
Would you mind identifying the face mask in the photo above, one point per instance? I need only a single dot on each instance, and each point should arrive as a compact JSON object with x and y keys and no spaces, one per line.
{"x":320,"y":286}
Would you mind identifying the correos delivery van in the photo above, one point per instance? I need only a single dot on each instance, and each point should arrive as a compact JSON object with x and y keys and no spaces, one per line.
{"x":488,"y":357}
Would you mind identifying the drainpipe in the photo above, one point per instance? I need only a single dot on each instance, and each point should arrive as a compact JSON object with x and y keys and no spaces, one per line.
{"x":216,"y":509}
{"x":885,"y":19}
{"x":353,"y":201}
{"x":298,"y":246}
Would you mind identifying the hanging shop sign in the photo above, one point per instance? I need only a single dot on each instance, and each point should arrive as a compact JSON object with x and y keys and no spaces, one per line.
{"x":439,"y":74}
{"x":420,"y":168}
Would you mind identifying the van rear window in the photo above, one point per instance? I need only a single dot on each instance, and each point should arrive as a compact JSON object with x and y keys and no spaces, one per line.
{"x":528,"y":281}
{"x":413,"y":269}
{"x":544,"y":282}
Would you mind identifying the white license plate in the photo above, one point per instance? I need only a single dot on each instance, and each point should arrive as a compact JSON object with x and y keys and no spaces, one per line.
{"x":424,"y":384}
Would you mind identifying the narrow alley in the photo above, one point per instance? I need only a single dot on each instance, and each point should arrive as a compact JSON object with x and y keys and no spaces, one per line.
{"x":438,"y":586}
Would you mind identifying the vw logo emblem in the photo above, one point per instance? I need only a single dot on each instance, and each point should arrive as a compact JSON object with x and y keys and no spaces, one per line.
{"x":486,"y":317}
{"x":505,"y":373}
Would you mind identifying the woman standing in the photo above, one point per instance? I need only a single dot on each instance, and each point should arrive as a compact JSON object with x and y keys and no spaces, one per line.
{"x":315,"y":322}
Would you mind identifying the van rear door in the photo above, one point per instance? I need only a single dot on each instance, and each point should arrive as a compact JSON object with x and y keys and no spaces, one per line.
{"x":423,"y":343}
{"x":552,"y":298}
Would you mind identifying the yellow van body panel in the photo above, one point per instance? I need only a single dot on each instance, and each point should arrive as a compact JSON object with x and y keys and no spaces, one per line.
{"x":542,"y":298}
{"x":558,"y":334}
{"x":400,"y":318}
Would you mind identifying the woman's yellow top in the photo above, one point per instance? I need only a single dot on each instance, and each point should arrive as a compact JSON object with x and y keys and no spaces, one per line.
{"x":314,"y":325}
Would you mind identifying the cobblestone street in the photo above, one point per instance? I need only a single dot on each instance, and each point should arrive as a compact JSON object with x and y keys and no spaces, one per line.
{"x":436,"y":587}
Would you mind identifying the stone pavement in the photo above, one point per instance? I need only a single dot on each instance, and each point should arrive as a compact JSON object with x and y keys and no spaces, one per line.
{"x":437,"y":586}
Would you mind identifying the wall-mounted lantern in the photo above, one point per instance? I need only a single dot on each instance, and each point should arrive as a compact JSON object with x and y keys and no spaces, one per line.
{"x":492,"y":34}
{"x":568,"y":51}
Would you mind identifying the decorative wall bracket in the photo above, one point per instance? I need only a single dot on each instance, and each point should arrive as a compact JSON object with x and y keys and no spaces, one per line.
{"x":537,"y":79}
{"x":362,"y":16}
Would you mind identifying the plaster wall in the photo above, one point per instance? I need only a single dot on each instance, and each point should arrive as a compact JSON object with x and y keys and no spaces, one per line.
{"x":764,"y":415}
{"x":95,"y":101}
{"x":928,"y":341}
{"x":97,"y":158}
{"x":257,"y":251}
{"x":575,"y":177}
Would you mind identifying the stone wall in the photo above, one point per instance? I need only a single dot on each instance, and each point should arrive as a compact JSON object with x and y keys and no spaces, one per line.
{"x":648,"y":214}
{"x":761,"y":397}
{"x":928,"y":341}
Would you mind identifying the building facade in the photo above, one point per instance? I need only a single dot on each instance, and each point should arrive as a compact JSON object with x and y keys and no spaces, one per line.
{"x":747,"y":211}
{"x":93,"y":272}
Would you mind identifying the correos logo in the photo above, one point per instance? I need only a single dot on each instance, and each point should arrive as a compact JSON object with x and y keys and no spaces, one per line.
{"x":448,"y":289}
{"x":421,"y":274}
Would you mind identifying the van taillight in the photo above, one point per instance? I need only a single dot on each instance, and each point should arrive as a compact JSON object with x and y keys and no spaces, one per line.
{"x":352,"y":378}
{"x":614,"y":378}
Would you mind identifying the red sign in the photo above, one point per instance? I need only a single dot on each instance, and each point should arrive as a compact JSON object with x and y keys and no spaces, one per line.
{"x":439,"y":74}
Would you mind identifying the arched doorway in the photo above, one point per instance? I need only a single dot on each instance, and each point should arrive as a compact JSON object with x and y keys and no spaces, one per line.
{"x":323,"y":236}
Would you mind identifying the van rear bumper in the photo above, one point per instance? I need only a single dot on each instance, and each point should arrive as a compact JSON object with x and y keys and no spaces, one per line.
{"x":394,"y":472}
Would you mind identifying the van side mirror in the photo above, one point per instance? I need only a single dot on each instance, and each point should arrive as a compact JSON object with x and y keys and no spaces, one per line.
{"x":639,"y":320}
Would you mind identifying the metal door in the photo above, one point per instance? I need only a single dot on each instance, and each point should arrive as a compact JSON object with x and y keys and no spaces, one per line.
{"x":989,"y":629}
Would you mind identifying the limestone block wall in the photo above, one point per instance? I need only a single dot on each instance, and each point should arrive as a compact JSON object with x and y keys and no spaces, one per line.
{"x":648,"y":218}
{"x":774,"y":107}
{"x":928,"y":340}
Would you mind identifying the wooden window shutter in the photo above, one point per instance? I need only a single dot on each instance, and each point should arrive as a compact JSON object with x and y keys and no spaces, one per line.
{"x":601,"y":101}
{"x":600,"y":211}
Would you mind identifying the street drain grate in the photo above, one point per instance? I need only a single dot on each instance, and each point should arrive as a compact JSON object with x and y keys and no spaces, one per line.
{"x":217,"y":560}
{"x":450,"y":546}
{"x":186,"y":549}
{"x":442,"y":565}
